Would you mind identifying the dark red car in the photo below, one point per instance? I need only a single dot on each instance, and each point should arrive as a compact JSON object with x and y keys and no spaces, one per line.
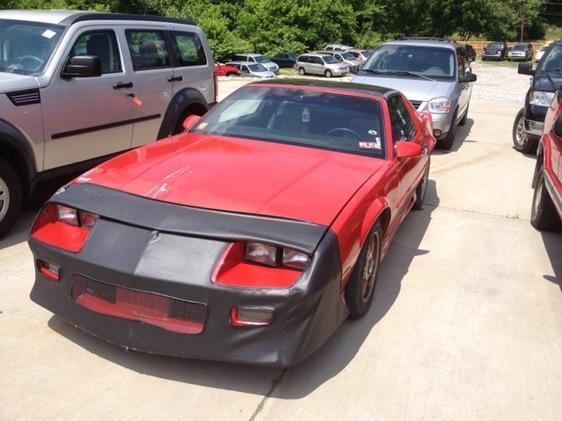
{"x":249,"y":238}
{"x":226,"y":70}
{"x":546,"y":213}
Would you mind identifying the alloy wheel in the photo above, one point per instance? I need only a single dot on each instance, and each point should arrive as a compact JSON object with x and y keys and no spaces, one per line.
{"x":4,"y":199}
{"x":520,"y":135}
{"x":370,"y":268}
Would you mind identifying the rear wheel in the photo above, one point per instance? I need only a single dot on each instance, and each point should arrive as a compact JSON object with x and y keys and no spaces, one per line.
{"x":328,"y":73}
{"x":10,"y":196}
{"x":301,"y":71}
{"x":521,"y":141}
{"x":543,"y":214}
{"x":360,"y":290}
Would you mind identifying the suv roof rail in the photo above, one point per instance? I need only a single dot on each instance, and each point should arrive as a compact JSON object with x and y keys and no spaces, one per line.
{"x":86,"y":16}
{"x":423,"y":39}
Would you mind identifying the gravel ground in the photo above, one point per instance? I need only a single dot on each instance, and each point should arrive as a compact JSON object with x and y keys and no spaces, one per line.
{"x":495,"y":82}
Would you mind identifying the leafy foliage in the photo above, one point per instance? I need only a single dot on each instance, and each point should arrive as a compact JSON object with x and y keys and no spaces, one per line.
{"x":270,"y":27}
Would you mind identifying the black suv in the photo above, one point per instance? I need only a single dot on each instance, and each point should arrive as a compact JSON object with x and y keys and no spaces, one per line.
{"x":547,"y":79}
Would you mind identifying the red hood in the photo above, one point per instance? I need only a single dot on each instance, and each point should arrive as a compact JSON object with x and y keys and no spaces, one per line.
{"x":239,"y":175}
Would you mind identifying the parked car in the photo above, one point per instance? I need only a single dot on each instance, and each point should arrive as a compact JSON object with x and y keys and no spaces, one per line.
{"x":337,"y":47}
{"x":523,"y":51}
{"x":546,"y":212}
{"x":249,"y":69}
{"x":224,"y":242}
{"x":320,"y":64}
{"x":79,"y":87}
{"x":222,"y":69}
{"x":541,"y":51}
{"x":361,"y":55}
{"x":469,"y":51}
{"x":546,"y":79}
{"x":346,"y":58}
{"x":433,"y":74}
{"x":285,"y":60}
{"x":495,"y":51}
{"x":260,"y":59}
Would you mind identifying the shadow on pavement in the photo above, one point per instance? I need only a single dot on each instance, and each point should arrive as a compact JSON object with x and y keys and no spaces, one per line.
{"x":460,"y":138}
{"x":326,"y":363}
{"x":553,"y":245}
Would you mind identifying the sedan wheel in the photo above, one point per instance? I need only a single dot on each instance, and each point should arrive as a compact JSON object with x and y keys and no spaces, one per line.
{"x":360,"y":289}
{"x":328,"y":73}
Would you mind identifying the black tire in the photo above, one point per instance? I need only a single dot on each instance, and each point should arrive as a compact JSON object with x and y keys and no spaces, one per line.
{"x":521,"y":141}
{"x":302,"y":72}
{"x":11,"y":196}
{"x":447,"y":143}
{"x":328,"y":73}
{"x":543,"y":214}
{"x":464,"y":117}
{"x":360,"y":290}
{"x":421,"y":189}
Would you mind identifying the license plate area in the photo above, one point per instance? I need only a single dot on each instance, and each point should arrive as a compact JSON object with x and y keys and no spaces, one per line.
{"x":168,"y":313}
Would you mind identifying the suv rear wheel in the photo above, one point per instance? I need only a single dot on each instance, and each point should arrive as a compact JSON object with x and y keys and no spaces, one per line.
{"x":10,"y":196}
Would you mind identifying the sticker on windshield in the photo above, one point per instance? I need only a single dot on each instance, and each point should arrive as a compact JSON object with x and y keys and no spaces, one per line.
{"x":47,"y":33}
{"x":371,"y":145}
{"x":373,"y":132}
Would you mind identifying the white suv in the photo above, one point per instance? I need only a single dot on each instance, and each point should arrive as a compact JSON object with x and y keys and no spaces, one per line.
{"x":79,"y":87}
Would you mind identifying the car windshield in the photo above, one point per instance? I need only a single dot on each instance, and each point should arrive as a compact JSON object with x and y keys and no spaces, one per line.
{"x":495,"y":45}
{"x":25,"y":47}
{"x":256,"y":68}
{"x":329,"y":60}
{"x":553,"y":61}
{"x":519,"y":47}
{"x":299,"y":117}
{"x":433,"y":62}
{"x":261,"y":59}
{"x":348,"y":56}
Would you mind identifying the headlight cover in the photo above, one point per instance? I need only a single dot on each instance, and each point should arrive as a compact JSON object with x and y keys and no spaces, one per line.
{"x":440,"y":105}
{"x":541,"y":98}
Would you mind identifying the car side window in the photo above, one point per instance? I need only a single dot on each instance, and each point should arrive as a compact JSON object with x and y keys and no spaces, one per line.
{"x":148,"y":49}
{"x":403,"y":127}
{"x":189,"y":49}
{"x":461,"y":63}
{"x":102,"y":44}
{"x":317,"y":60}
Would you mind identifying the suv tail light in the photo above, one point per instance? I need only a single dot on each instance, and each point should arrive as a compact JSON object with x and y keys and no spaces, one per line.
{"x":63,"y":227}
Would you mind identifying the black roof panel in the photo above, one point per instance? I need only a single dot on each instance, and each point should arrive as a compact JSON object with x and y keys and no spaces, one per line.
{"x":87,"y":16}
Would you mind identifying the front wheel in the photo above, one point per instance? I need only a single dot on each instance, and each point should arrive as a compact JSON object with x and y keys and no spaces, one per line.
{"x":449,"y":140}
{"x":10,"y":196}
{"x":521,"y":141}
{"x":543,"y":214}
{"x":328,"y":73}
{"x":360,"y":290}
{"x":301,"y":71}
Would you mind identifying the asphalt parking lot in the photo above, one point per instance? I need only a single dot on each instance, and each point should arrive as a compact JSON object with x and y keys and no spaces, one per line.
{"x":466,"y":322}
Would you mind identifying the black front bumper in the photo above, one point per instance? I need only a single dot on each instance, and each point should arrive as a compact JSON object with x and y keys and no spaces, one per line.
{"x":180,"y":266}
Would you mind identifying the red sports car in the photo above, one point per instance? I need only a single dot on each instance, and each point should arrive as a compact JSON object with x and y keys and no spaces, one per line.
{"x":226,"y":70}
{"x":546,"y":212}
{"x":250,"y":237}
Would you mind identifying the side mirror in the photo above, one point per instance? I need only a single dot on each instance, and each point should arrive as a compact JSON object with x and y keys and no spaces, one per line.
{"x":468,"y":77}
{"x":82,"y":66}
{"x":191,"y":121}
{"x":405,"y":149}
{"x":558,"y":126}
{"x":525,"y":69}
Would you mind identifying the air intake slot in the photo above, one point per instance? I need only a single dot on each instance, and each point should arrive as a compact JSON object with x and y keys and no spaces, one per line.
{"x":28,"y":97}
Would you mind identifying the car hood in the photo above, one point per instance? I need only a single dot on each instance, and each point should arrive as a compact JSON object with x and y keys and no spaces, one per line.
{"x":239,"y":175}
{"x":415,"y":89}
{"x":10,"y":82}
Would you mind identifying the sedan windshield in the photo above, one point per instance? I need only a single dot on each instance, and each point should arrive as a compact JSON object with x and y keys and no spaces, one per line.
{"x":261,"y":59}
{"x":299,"y":117}
{"x":553,"y":61}
{"x":257,"y":68}
{"x":329,"y":60}
{"x":25,"y":47}
{"x":495,"y":46}
{"x":432,"y":62}
{"x":519,"y":47}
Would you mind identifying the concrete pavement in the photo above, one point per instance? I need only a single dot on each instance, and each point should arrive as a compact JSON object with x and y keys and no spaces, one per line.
{"x":466,"y":322}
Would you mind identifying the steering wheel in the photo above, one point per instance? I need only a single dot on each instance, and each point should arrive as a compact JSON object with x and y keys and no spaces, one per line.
{"x":345,"y":131}
{"x":37,"y":60}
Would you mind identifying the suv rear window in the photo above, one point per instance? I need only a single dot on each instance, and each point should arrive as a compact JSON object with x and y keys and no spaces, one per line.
{"x":148,"y":49}
{"x":189,"y":49}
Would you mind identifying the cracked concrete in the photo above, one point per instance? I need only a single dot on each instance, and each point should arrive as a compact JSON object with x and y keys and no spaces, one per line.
{"x":466,"y":322}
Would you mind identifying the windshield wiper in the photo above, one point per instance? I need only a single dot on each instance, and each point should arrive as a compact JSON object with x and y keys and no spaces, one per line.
{"x":397,"y":72}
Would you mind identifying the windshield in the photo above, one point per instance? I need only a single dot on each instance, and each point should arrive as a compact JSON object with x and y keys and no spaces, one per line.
{"x":329,"y":60}
{"x":432,"y":62}
{"x":261,"y":59}
{"x":553,"y":61}
{"x":495,"y":45}
{"x":299,"y":117}
{"x":257,"y":68}
{"x":25,"y":47}
{"x":348,"y":56}
{"x":519,"y":47}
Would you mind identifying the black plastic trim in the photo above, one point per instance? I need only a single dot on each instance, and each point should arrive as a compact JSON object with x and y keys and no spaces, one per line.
{"x":82,"y":17}
{"x":104,"y":126}
{"x":177,"y":106}
{"x":27,"y":97}
{"x":18,"y":143}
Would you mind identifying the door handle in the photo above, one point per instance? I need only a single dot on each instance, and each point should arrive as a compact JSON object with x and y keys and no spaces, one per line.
{"x":123,"y":85}
{"x":175,"y":79}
